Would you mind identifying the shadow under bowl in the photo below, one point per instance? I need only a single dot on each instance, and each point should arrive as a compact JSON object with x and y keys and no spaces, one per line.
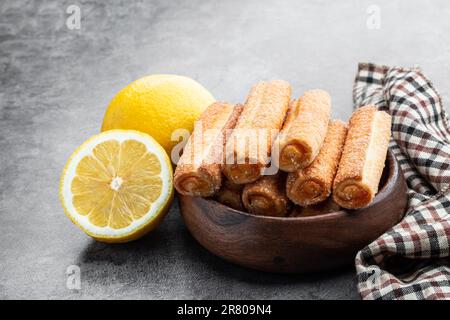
{"x":296,"y":244}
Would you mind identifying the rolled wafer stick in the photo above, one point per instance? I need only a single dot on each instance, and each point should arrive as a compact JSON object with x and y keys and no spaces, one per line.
{"x":313,"y":184}
{"x":230,"y":194}
{"x":266,"y":196}
{"x":304,"y":130}
{"x":198,"y":171}
{"x":363,"y":158}
{"x":248,"y":148}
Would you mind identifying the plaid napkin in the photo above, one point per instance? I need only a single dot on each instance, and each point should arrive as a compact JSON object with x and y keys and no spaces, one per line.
{"x":411,"y":260}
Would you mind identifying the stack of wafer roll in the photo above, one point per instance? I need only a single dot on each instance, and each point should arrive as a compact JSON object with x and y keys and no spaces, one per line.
{"x":363,"y":158}
{"x":311,"y":185}
{"x":266,"y":196}
{"x":199,"y":170}
{"x":249,"y":147}
{"x":304,"y":130}
{"x":324,"y":164}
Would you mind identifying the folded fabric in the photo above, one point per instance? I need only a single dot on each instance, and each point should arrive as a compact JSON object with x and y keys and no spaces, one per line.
{"x":411,"y":260}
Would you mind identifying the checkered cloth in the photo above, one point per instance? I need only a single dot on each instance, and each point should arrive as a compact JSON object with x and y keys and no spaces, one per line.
{"x":411,"y":260}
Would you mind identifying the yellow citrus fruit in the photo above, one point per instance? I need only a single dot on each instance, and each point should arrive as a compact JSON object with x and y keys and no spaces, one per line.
{"x":158,"y":105}
{"x":117,"y":186}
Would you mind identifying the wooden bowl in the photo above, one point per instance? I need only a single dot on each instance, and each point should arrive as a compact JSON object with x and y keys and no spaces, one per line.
{"x":296,"y":244}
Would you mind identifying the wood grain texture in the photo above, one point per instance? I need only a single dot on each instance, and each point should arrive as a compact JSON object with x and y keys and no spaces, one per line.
{"x":296,"y":244}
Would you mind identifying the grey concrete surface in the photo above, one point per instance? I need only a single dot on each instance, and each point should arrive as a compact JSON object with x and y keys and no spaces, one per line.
{"x":55,"y":84}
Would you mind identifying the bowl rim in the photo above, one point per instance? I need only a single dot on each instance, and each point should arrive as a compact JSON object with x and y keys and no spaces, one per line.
{"x":380,"y":196}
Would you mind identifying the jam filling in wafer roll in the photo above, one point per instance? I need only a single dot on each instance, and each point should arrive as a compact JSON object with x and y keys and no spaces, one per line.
{"x":266,"y":196}
{"x":313,"y":184}
{"x":230,"y":194}
{"x":198,"y":172}
{"x":363,"y":158}
{"x":249,"y":146}
{"x":304,"y":130}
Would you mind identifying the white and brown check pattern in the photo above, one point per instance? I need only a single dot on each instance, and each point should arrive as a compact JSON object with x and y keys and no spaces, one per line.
{"x":412,"y":260}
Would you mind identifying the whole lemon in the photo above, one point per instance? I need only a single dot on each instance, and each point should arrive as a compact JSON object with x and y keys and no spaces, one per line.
{"x":158,"y":105}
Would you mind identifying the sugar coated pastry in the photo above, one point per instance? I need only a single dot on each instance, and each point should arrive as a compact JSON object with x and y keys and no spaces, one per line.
{"x":266,"y":196}
{"x":313,"y":184}
{"x":363,"y":158}
{"x":230,"y":194}
{"x":249,"y":147}
{"x":198,"y":172}
{"x":304,"y":130}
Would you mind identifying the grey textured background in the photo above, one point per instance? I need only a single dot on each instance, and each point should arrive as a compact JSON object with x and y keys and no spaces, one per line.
{"x":55,"y":84}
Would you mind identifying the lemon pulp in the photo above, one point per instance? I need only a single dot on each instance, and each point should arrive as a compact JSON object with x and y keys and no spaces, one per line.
{"x":113,"y":183}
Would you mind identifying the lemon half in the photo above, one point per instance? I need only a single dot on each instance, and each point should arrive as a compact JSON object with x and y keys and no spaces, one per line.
{"x":117,"y":186}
